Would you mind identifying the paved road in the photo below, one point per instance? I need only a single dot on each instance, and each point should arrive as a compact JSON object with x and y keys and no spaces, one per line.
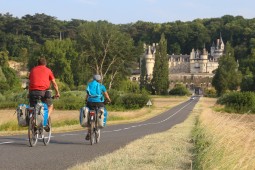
{"x":68,"y":149}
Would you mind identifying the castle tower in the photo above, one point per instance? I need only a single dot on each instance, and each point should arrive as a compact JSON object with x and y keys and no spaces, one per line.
{"x":218,"y":50}
{"x":150,"y":60}
{"x":212,"y":48}
{"x":221,"y":43}
{"x":192,"y":56}
{"x":203,"y":61}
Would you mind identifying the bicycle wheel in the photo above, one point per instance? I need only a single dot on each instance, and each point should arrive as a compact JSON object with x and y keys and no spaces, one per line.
{"x":97,"y":131}
{"x":92,"y":133}
{"x":47,"y":133}
{"x":32,"y":132}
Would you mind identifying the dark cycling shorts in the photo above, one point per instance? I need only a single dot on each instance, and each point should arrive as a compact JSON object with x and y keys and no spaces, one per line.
{"x":45,"y":97}
{"x":93,"y":105}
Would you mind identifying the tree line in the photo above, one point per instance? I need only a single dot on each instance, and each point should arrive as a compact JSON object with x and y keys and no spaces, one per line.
{"x":77,"y":49}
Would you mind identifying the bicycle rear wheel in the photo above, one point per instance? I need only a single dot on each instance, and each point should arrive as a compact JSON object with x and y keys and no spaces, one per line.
{"x":92,"y":133}
{"x":32,"y":132}
{"x":47,"y":133}
{"x":97,"y":132}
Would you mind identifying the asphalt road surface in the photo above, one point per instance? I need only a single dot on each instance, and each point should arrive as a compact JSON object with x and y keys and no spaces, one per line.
{"x":67,"y":149}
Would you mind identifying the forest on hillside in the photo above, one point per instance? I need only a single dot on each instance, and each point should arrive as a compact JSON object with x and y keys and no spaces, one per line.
{"x":78,"y":48}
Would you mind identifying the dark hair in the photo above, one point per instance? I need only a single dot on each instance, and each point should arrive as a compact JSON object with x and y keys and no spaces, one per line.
{"x":41,"y":61}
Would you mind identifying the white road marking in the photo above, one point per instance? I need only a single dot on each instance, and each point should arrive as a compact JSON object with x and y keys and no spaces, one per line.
{"x":6,"y":142}
{"x":139,"y":125}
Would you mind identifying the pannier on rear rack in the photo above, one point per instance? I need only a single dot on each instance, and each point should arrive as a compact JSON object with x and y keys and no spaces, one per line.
{"x":22,"y":115}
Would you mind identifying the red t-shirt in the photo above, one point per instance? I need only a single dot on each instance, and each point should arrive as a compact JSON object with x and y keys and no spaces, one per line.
{"x":40,"y":78}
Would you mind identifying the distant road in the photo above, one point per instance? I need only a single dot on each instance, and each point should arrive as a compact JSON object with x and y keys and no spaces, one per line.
{"x":68,"y":149}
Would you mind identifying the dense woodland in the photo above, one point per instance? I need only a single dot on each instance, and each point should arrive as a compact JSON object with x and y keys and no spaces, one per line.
{"x":77,"y":49}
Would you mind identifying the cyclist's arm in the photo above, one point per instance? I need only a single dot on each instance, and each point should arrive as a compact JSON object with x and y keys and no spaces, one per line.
{"x":107,"y":96}
{"x":86,"y":97}
{"x":55,"y":87}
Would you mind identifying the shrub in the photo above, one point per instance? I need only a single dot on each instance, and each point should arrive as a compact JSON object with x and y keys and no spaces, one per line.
{"x":71,"y":100}
{"x":129,"y":86}
{"x":11,"y":100}
{"x":240,"y":102}
{"x":179,"y":90}
{"x":210,"y":93}
{"x":74,"y":100}
{"x":134,"y":101}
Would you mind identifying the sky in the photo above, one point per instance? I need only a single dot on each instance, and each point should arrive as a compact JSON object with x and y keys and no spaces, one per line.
{"x":130,"y":11}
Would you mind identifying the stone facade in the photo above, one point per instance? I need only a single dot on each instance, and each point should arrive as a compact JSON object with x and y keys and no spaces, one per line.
{"x":195,"y":68}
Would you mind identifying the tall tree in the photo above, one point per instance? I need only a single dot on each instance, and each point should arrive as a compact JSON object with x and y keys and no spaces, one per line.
{"x":108,"y":51}
{"x":4,"y":59}
{"x":227,"y":76}
{"x":247,"y":81}
{"x":61,"y":56}
{"x":160,"y":80}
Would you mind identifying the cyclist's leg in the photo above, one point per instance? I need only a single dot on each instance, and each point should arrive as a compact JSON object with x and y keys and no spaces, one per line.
{"x":48,"y":100}
{"x":88,"y":134}
{"x":50,"y":108}
{"x":91,"y":106}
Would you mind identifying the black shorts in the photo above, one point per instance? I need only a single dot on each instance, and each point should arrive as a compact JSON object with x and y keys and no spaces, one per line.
{"x":93,"y":105}
{"x":45,"y":96}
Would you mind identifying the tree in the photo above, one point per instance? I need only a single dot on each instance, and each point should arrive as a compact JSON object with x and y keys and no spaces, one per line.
{"x":160,"y":80}
{"x":4,"y":59}
{"x":247,"y":81}
{"x":2,"y":76}
{"x":227,"y":76}
{"x":61,"y":57}
{"x":105,"y":48}
{"x":12,"y":79}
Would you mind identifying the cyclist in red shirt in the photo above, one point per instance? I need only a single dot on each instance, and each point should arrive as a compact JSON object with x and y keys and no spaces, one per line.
{"x":40,"y":78}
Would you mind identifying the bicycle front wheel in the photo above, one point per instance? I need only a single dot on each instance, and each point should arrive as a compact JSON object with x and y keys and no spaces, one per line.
{"x":47,"y":133}
{"x":32,"y":132}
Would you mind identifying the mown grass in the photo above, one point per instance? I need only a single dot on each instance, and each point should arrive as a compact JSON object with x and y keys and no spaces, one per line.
{"x":224,"y":141}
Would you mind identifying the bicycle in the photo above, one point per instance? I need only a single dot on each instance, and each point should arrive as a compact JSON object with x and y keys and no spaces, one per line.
{"x":35,"y":128}
{"x":97,"y":120}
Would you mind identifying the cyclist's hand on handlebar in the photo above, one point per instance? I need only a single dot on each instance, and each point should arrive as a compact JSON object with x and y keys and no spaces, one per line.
{"x":107,"y":101}
{"x":56,"y":96}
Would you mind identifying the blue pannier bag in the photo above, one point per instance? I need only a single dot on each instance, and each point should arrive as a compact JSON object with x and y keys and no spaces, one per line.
{"x":41,"y":115}
{"x":103,"y":114}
